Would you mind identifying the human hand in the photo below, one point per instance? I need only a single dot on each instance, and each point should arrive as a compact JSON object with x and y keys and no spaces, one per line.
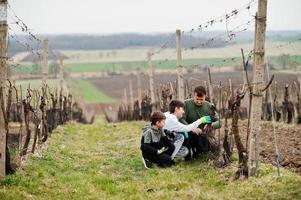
{"x":197,"y":131}
{"x":206,"y":120}
{"x":170,"y":134}
{"x":206,"y":128}
{"x":163,"y":149}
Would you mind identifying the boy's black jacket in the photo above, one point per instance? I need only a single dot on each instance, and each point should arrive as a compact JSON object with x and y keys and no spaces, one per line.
{"x":153,"y":139}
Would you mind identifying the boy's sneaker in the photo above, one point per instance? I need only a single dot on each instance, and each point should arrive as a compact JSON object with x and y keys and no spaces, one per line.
{"x":147,"y":164}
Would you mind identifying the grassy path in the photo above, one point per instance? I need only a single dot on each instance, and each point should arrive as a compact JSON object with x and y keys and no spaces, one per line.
{"x":102,"y":161}
{"x":88,"y":92}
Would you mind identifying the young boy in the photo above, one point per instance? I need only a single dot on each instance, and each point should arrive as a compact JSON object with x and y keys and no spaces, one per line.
{"x":176,"y":112}
{"x":156,"y":147}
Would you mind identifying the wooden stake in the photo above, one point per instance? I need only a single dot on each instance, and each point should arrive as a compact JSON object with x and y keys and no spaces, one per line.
{"x":62,"y":84}
{"x":21,"y":122}
{"x":131,"y":95}
{"x":151,"y":77}
{"x":258,"y":71}
{"x":210,"y":90}
{"x":231,"y":91}
{"x":3,"y":77}
{"x":219,"y":110}
{"x":246,"y":99}
{"x":180,"y":67}
{"x":139,"y":88}
{"x":125,"y":97}
{"x":45,"y":63}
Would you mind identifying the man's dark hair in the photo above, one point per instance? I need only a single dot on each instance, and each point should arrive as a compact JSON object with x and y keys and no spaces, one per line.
{"x":156,"y":116}
{"x":175,"y":104}
{"x":200,"y":91}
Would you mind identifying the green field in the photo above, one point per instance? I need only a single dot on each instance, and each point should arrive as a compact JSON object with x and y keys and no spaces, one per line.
{"x":88,"y":92}
{"x":170,"y":64}
{"x":36,"y":84}
{"x":21,"y":69}
{"x":126,"y":66}
{"x":133,"y":65}
{"x":158,"y":64}
{"x":81,"y":89}
{"x":291,"y":60}
{"x":103,"y":161}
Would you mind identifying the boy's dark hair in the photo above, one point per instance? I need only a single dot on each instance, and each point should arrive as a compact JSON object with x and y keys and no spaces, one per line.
{"x":156,"y":116}
{"x":175,"y":104}
{"x":200,"y":91}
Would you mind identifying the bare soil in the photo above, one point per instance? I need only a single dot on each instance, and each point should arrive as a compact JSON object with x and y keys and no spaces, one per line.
{"x":288,"y":140}
{"x":114,"y":86}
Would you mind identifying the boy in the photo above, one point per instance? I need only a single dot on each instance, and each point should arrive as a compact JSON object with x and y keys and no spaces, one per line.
{"x":156,"y":147}
{"x":176,"y":112}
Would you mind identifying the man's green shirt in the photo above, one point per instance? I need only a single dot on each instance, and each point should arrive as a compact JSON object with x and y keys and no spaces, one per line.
{"x":194,"y":112}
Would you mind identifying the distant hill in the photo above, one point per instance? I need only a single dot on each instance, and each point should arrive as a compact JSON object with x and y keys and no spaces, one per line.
{"x":128,"y":40}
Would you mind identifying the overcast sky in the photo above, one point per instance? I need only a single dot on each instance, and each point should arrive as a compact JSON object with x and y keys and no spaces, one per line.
{"x":146,"y":16}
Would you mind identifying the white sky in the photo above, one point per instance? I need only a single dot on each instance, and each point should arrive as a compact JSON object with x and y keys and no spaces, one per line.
{"x":146,"y":16}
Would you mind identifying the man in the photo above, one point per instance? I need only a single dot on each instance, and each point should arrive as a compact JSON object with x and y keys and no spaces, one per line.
{"x":172,"y":124}
{"x":196,"y":108}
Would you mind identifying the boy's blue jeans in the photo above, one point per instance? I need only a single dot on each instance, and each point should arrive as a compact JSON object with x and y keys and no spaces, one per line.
{"x":180,"y":151}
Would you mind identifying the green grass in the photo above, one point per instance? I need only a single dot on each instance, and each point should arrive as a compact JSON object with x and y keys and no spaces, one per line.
{"x":102,"y":161}
{"x":88,"y":92}
{"x":158,"y":64}
{"x":161,"y":64}
{"x":22,"y":69}
{"x":81,"y":88}
{"x":292,"y":59}
{"x":36,"y":84}
{"x":103,"y":67}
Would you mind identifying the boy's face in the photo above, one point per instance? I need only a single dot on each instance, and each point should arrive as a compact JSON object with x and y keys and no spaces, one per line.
{"x":179,"y":111}
{"x":199,"y":100}
{"x":160,"y":124}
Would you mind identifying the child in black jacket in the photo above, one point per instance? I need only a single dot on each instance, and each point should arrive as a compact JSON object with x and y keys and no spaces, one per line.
{"x":156,"y":147}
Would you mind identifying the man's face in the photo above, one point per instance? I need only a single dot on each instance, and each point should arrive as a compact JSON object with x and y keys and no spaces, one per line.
{"x":199,"y":100}
{"x":179,"y":111}
{"x":160,"y":124}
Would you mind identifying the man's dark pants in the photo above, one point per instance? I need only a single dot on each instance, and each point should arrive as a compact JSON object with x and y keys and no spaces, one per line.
{"x":197,"y":144}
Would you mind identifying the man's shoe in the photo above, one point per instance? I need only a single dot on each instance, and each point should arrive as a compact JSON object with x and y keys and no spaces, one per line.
{"x":147,"y":164}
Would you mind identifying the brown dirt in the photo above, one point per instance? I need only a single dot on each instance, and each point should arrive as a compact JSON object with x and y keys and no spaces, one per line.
{"x":114,"y":86}
{"x":288,"y":140}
